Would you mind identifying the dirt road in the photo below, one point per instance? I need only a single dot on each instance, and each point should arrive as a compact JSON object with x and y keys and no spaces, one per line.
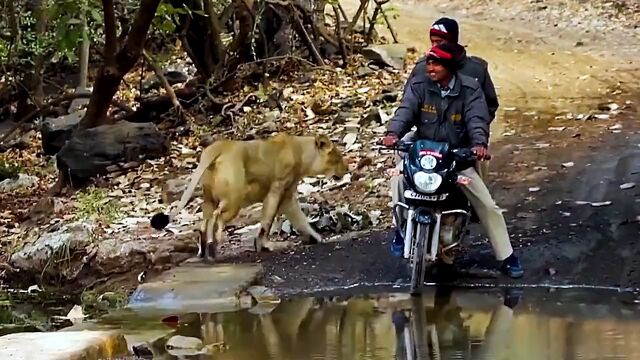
{"x":543,"y":80}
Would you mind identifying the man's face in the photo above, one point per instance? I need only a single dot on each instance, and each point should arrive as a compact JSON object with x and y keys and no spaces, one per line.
{"x":436,"y":71}
{"x":437,"y":40}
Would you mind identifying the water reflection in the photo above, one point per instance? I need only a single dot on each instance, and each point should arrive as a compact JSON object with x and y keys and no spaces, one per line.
{"x":442,"y":324}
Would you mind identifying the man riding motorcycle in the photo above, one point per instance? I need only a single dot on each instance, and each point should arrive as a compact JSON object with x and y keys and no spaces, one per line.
{"x":449,"y":106}
{"x":447,"y":30}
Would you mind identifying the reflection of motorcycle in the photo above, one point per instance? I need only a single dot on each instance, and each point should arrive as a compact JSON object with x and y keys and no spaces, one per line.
{"x":437,"y":211}
{"x":444,"y":336}
{"x":440,"y":332}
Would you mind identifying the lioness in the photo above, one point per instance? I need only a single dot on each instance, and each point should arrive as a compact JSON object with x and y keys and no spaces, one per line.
{"x":237,"y":174}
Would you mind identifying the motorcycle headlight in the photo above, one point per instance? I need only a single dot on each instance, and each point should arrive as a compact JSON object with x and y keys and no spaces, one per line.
{"x":427,"y":182}
{"x":428,"y":162}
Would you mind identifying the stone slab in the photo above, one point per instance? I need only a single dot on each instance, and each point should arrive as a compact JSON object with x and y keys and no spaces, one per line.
{"x":69,"y":345}
{"x":196,"y":287}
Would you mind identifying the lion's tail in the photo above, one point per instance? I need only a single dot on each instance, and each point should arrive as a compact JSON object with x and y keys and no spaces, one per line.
{"x":209,"y":155}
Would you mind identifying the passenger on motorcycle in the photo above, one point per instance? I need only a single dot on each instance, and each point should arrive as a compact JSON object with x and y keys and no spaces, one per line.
{"x":447,"y":30}
{"x":449,"y":106}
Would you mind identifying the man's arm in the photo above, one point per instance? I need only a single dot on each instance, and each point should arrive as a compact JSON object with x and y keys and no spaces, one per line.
{"x":476,"y":116}
{"x":490,"y":95}
{"x":407,"y":112}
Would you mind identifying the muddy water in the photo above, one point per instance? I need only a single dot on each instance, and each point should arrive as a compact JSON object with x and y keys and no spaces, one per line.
{"x":527,"y":324}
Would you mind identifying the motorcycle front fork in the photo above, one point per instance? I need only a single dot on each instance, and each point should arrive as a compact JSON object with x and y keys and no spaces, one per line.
{"x":435,"y":234}
{"x":409,"y":238}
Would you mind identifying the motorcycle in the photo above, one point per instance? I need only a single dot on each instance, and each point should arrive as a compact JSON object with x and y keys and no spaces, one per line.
{"x":437,"y":211}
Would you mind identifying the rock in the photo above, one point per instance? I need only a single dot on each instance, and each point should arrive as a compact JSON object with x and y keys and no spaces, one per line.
{"x":373,"y":117}
{"x":89,"y":345}
{"x":117,"y":254}
{"x":23,"y":181}
{"x":172,"y":190}
{"x":392,"y":55}
{"x":56,"y":131}
{"x":196,"y":287}
{"x":568,"y":164}
{"x":91,"y":151}
{"x":390,"y":97}
{"x":321,"y":108}
{"x":267,"y":128}
{"x":179,"y":345}
{"x":364,"y":71}
{"x":176,"y":77}
{"x":78,"y":103}
{"x":263,"y":294}
{"x":579,"y":43}
{"x":14,"y":140}
{"x":42,"y":254}
{"x":206,"y":140}
{"x":45,"y":208}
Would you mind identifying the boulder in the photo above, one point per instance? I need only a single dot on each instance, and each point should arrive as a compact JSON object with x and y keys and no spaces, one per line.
{"x":56,"y":131}
{"x":90,"y":152}
{"x":23,"y":181}
{"x":392,"y":55}
{"x":41,"y":254}
{"x":117,"y":254}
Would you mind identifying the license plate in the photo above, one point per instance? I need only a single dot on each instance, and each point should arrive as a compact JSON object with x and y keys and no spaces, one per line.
{"x":408,"y":194}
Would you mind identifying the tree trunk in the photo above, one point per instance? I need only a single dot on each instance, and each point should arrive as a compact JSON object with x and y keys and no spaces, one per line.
{"x":117,"y":63}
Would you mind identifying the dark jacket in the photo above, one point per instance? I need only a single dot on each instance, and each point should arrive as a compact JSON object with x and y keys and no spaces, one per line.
{"x":460,"y":118}
{"x":474,"y":67}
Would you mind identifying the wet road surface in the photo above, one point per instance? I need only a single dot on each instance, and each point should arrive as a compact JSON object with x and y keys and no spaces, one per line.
{"x":560,"y":239}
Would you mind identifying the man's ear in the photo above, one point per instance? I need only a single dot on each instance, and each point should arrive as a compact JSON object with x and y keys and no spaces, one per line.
{"x":323,"y":142}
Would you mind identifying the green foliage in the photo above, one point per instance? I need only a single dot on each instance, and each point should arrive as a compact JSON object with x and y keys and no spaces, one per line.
{"x":9,"y":170}
{"x":65,"y":25}
{"x":94,"y":204}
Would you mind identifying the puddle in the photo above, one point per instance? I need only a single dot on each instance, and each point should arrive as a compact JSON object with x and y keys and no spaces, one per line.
{"x":442,"y":324}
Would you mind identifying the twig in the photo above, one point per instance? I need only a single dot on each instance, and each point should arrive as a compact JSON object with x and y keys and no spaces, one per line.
{"x":386,"y":19}
{"x":305,"y":35}
{"x":344,"y":14}
{"x":372,"y":22}
{"x":232,"y":74}
{"x":163,"y":80}
{"x":343,"y":48}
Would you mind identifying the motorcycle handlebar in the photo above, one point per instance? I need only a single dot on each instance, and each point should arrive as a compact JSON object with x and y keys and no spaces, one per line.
{"x":461,"y":154}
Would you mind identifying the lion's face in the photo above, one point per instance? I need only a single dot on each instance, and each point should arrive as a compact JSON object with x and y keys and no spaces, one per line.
{"x":329,"y":161}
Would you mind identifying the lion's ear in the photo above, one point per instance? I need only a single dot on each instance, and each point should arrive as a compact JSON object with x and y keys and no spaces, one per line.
{"x":323,"y":142}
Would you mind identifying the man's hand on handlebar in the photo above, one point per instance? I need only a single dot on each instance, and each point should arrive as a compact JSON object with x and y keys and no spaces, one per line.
{"x":389,"y":140}
{"x":481,"y":152}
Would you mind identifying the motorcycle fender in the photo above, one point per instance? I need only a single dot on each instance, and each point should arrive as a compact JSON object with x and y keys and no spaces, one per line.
{"x":424,"y":217}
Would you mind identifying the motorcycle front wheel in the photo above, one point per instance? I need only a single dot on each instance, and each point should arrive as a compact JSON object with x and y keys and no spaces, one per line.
{"x":418,"y":259}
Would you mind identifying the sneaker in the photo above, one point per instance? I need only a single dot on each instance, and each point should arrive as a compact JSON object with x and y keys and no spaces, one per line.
{"x":397,"y":244}
{"x":511,"y":267}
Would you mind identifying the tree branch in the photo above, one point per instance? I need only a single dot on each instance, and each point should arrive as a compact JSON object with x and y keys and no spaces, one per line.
{"x":110,"y":36}
{"x":132,"y":49}
{"x":163,"y":80}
